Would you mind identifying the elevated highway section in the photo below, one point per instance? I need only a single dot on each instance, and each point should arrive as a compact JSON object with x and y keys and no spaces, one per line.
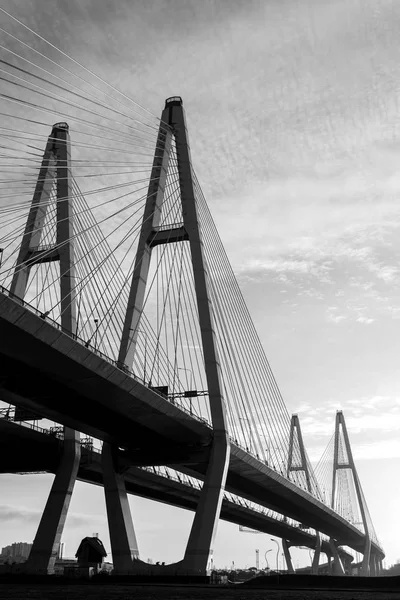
{"x":33,"y":449}
{"x":43,"y":369}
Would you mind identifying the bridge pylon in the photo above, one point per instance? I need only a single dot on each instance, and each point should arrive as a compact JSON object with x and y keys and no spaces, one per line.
{"x":297,"y":462}
{"x":173,"y":128}
{"x":55,"y":170}
{"x":343,"y":459}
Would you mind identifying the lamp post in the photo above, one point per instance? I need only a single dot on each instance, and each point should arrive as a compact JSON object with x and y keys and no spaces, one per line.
{"x":78,"y":315}
{"x":96,"y":324}
{"x":191,"y":381}
{"x":145,"y":352}
{"x":265,"y":556}
{"x":277,"y":552}
{"x":1,"y":255}
{"x":94,"y":335}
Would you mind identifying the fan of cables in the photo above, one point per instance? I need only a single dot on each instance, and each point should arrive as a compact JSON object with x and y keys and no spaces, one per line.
{"x":113,"y":142}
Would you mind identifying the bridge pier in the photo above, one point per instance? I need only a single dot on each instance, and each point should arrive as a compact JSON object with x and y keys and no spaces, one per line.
{"x":288,"y":558}
{"x":46,"y":544}
{"x":124,"y":546}
{"x":204,"y":527}
{"x":366,"y":563}
{"x":380,"y":566}
{"x":317,"y":554}
{"x":373,"y":565}
{"x":329,"y":559}
{"x":338,"y":568}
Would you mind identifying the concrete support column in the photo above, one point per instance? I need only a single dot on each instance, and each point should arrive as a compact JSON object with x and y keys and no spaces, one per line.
{"x":337,"y":562}
{"x":365,"y":569}
{"x":317,"y":553}
{"x":46,"y":544}
{"x":124,"y":546}
{"x":288,"y":558}
{"x":372,"y":565}
{"x":204,"y":528}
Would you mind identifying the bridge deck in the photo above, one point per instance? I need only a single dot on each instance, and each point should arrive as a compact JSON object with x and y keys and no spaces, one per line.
{"x":29,"y":451}
{"x":46,"y":370}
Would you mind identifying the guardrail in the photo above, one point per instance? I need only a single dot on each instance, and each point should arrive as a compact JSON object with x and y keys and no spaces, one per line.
{"x":124,"y":369}
{"x":93,"y":349}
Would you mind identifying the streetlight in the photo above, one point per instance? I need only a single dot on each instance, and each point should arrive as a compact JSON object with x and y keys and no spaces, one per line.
{"x":94,"y":335}
{"x":96,"y":323}
{"x":1,"y":255}
{"x":145,"y":352}
{"x":265,"y":556}
{"x":191,"y":381}
{"x":277,"y":552}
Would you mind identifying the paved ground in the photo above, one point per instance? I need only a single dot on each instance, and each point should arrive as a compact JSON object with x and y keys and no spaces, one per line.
{"x":122,"y":592}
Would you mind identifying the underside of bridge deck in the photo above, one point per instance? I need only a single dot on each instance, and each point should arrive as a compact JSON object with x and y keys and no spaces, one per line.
{"x":43,"y":369}
{"x":33,"y":451}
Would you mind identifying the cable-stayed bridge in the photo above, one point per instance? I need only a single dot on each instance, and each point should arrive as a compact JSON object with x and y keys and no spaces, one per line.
{"x":121,"y":318}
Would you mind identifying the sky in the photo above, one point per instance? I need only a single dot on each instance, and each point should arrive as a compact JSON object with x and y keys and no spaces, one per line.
{"x":292,"y":110}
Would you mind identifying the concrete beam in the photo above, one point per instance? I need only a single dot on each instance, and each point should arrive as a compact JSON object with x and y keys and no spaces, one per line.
{"x":124,"y":546}
{"x":47,"y":540}
{"x":317,"y":553}
{"x":288,"y":558}
{"x":337,"y":566}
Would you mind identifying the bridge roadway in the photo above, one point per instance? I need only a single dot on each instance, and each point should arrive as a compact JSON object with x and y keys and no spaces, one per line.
{"x":28,"y":449}
{"x":46,"y":370}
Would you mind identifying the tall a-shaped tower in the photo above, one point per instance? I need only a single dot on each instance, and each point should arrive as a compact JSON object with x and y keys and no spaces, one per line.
{"x":54,"y":179}
{"x":343,"y":460}
{"x":299,"y":464}
{"x":199,"y":547}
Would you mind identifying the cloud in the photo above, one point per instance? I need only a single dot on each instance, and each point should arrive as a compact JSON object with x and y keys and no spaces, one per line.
{"x":365,"y":320}
{"x":333,"y":316}
{"x":372,"y":422}
{"x":23,"y":514}
{"x":387,"y":273}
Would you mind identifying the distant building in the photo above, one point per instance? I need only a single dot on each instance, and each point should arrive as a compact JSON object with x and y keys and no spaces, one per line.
{"x":16,"y":552}
{"x":62,"y":563}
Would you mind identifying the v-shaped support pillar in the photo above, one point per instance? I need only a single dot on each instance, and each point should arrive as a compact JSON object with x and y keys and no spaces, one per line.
{"x":317,"y":554}
{"x":124,"y":546}
{"x":46,"y":544}
{"x":288,"y":558}
{"x":338,"y":568}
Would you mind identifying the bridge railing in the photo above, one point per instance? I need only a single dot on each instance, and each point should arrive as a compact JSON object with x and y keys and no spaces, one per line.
{"x":9,"y":413}
{"x":125,"y":369}
{"x":93,"y":349}
{"x":168,"y":473}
